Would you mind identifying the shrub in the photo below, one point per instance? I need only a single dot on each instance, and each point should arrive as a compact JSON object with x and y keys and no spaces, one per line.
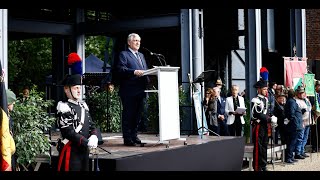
{"x":31,"y":122}
{"x":105,"y":106}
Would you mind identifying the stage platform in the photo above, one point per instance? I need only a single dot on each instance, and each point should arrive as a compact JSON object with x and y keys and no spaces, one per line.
{"x":190,"y":153}
{"x":271,"y":152}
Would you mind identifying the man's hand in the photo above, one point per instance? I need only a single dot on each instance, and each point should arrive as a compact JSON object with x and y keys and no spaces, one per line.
{"x":274,"y":119}
{"x":93,"y":141}
{"x":138,"y":72}
{"x":221,"y":117}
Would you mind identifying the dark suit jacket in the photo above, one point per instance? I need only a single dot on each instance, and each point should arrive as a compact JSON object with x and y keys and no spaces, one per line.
{"x":131,"y":85}
{"x":221,"y":108}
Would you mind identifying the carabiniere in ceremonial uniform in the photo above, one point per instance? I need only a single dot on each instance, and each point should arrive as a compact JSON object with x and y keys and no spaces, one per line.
{"x":259,"y":120}
{"x":78,"y":132}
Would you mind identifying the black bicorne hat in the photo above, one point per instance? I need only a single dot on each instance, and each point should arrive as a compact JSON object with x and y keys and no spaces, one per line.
{"x":72,"y":80}
{"x":261,"y":84}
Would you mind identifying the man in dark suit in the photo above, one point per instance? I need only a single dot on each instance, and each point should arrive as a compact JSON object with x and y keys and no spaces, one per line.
{"x":130,"y":68}
{"x":222,"y":128}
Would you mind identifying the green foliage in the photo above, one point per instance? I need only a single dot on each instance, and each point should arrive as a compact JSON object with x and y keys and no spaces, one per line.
{"x":153,"y":112}
{"x":31,"y":121}
{"x":26,"y":56}
{"x":98,"y":103}
{"x":153,"y":108}
{"x":99,"y":46}
{"x":95,"y":45}
{"x":35,"y":55}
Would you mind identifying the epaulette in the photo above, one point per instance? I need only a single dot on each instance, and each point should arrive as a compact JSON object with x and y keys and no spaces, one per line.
{"x":256,"y":100}
{"x":63,"y":107}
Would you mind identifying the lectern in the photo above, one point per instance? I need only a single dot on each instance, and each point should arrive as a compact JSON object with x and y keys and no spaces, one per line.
{"x":168,"y":99}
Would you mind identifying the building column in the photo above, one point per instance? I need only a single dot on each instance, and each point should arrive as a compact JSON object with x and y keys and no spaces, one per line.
{"x":4,"y":44}
{"x":270,"y":31}
{"x":253,"y":52}
{"x":186,"y":63}
{"x":80,"y":43}
{"x":197,"y":55}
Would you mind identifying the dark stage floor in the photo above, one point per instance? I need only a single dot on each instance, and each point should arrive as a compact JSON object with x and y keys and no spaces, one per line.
{"x":189,"y":153}
{"x":113,"y":144}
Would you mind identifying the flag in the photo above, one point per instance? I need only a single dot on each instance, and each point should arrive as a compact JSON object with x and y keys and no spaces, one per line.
{"x":200,"y":115}
{"x":309,"y":84}
{"x":7,"y":145}
{"x":294,"y":72}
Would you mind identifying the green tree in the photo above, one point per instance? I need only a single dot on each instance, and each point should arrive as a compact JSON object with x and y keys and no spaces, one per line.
{"x":29,"y":62}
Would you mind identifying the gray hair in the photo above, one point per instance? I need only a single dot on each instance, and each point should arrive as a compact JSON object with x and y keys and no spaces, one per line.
{"x":235,"y":86}
{"x":132,"y":35}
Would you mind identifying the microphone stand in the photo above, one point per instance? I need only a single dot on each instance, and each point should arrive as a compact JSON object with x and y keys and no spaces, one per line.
{"x":159,"y":60}
{"x":159,"y":56}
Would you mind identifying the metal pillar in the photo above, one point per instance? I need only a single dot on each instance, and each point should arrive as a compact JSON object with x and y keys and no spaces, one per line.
{"x":80,"y":43}
{"x":253,"y":51}
{"x":186,"y":61}
{"x":196,"y":45}
{"x":185,"y":47}
{"x":4,"y":44}
{"x":270,"y":30}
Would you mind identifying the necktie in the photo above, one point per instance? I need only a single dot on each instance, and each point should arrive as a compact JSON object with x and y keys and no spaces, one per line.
{"x":235,"y":102}
{"x":138,"y":57}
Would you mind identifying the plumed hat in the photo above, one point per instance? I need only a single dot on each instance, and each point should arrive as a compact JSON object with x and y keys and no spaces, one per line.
{"x":75,"y":63}
{"x":72,"y":80}
{"x":261,"y":84}
{"x":11,"y":97}
{"x":264,"y":73}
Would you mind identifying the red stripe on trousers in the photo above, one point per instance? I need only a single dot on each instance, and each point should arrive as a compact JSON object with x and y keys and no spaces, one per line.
{"x":65,"y":152}
{"x":256,"y":165}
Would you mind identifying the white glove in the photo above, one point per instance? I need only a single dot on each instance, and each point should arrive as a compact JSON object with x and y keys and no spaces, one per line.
{"x":286,"y":121}
{"x":93,"y":141}
{"x":274,"y":120}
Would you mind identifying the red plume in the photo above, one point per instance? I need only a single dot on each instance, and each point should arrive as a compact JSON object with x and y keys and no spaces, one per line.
{"x":263,"y":69}
{"x":73,"y":57}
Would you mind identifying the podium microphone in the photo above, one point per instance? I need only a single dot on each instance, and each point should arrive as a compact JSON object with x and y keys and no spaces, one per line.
{"x":155,"y":54}
{"x":159,"y":56}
